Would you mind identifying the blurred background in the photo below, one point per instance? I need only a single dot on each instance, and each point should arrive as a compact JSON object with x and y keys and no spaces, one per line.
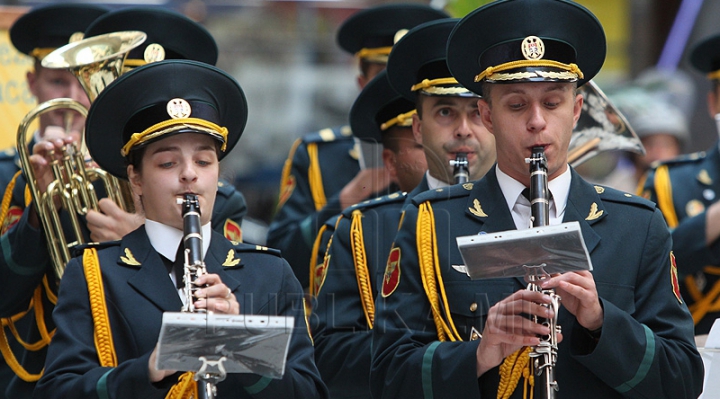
{"x":297,"y":79}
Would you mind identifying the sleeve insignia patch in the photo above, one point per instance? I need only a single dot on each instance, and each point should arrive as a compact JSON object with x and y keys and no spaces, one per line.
{"x":594,"y":214}
{"x":12,"y":217}
{"x":232,"y":231}
{"x":286,"y":190}
{"x":477,"y":209}
{"x":230,"y":260}
{"x":674,"y":278}
{"x":129,"y":259}
{"x":391,"y":279}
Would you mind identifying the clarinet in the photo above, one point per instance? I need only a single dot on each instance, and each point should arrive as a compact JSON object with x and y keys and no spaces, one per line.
{"x":461,"y":174}
{"x":544,"y":355}
{"x":193,"y":242}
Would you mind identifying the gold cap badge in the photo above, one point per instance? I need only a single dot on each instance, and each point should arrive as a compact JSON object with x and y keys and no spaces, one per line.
{"x":76,"y":37}
{"x":178,"y":108}
{"x":533,"y":48}
{"x":154,"y":52}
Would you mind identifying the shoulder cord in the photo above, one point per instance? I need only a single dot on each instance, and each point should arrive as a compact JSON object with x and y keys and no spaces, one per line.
{"x":703,"y":304}
{"x":357,"y":243}
{"x":186,"y":385}
{"x":515,"y":365}
{"x":7,"y":197}
{"x":313,"y":259}
{"x":315,"y":178}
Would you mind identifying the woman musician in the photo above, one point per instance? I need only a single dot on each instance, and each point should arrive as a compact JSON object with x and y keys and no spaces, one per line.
{"x":165,"y":127}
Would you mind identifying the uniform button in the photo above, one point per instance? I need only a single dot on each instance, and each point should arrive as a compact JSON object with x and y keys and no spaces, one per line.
{"x":473,"y":307}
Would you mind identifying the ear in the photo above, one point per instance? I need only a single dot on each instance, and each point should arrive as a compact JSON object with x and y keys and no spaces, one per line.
{"x":31,"y":77}
{"x":712,"y":103}
{"x":485,"y":115}
{"x":389,"y":160}
{"x":417,"y":128}
{"x":577,"y":108}
{"x":135,"y":180}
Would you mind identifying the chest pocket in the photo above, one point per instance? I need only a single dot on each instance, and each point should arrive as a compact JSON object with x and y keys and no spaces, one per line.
{"x":470,"y":301}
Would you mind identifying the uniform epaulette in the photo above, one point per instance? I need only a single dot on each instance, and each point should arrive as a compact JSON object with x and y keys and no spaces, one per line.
{"x":397,"y":196}
{"x":328,"y":134}
{"x":613,"y":195}
{"x":78,"y":249}
{"x":225,"y":188}
{"x":242,"y":247}
{"x":682,"y":159}
{"x":458,"y":190}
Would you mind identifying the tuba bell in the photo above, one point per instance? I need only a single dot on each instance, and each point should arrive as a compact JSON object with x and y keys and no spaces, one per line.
{"x":601,"y":128}
{"x":96,"y":62}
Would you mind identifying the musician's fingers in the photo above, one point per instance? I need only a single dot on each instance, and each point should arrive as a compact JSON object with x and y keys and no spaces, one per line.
{"x":208,"y":279}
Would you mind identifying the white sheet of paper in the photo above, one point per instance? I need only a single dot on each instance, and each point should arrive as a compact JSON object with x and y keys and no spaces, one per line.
{"x":711,"y":359}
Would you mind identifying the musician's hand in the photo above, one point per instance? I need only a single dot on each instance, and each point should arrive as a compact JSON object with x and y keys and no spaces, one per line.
{"x":44,"y":152}
{"x":579,"y":296}
{"x":217,"y":297}
{"x":367,"y":182}
{"x":154,"y":374}
{"x":111,"y":223}
{"x":508,"y":328}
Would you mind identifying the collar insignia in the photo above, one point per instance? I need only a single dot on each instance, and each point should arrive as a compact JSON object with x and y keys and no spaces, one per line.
{"x":599,"y":189}
{"x":704,"y":178}
{"x":477,"y":209}
{"x":594,"y":214}
{"x":468,"y":186}
{"x":129,"y":259}
{"x":230,"y":260}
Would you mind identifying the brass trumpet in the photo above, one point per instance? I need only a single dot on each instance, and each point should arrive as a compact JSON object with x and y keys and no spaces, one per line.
{"x":96,"y":62}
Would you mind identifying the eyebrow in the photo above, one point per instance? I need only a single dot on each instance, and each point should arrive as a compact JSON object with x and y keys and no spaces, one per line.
{"x":170,"y":148}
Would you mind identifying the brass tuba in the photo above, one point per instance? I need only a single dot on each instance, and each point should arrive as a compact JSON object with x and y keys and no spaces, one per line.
{"x":96,"y":62}
{"x":601,"y":127}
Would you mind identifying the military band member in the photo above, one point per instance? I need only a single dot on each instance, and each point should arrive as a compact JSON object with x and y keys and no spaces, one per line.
{"x":322,"y":175}
{"x":184,"y":118}
{"x":25,"y":264}
{"x":36,"y":34}
{"x":439,"y":334}
{"x":446,"y":122}
{"x":686,"y":190}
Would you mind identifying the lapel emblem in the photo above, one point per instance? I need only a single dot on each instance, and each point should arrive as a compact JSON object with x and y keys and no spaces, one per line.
{"x":129,"y":259}
{"x":477,"y":209}
{"x":704,"y":178}
{"x":231,"y":260}
{"x":594,"y":214}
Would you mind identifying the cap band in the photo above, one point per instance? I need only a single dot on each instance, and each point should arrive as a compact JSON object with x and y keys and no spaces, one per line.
{"x":378,"y":54}
{"x":432,"y":86}
{"x":133,"y":62}
{"x":173,"y":125}
{"x":493,"y":72}
{"x":400,"y":120}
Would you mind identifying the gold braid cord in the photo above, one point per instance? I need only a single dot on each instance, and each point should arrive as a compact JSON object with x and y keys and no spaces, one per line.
{"x":515,"y":365}
{"x":663,"y":189}
{"x":103,"y":331}
{"x":430,"y":272}
{"x":315,"y":177}
{"x":185,"y":388}
{"x":45,"y":336}
{"x":357,"y":243}
{"x":7,"y":197}
{"x":287,"y":168}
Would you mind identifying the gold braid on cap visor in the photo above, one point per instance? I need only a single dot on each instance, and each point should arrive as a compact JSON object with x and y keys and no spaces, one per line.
{"x":714,"y":75}
{"x":492,"y":73}
{"x":378,"y":54}
{"x":173,"y":125}
{"x":400,"y":120}
{"x":430,"y":86}
{"x":41,"y":52}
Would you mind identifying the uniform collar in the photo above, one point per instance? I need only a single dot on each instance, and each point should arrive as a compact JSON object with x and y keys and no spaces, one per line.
{"x":559,"y":187}
{"x":434,"y":183}
{"x":166,"y":239}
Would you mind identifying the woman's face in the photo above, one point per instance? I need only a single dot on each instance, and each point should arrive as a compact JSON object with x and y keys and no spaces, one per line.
{"x":185,"y":163}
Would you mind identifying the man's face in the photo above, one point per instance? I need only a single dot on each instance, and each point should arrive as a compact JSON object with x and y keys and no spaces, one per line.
{"x":171,"y":167}
{"x":450,"y":125}
{"x":47,"y":84}
{"x":658,"y":147}
{"x":406,"y":160}
{"x":525,"y":115}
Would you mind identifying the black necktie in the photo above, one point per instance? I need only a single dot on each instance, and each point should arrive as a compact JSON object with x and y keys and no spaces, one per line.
{"x":177,"y":267}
